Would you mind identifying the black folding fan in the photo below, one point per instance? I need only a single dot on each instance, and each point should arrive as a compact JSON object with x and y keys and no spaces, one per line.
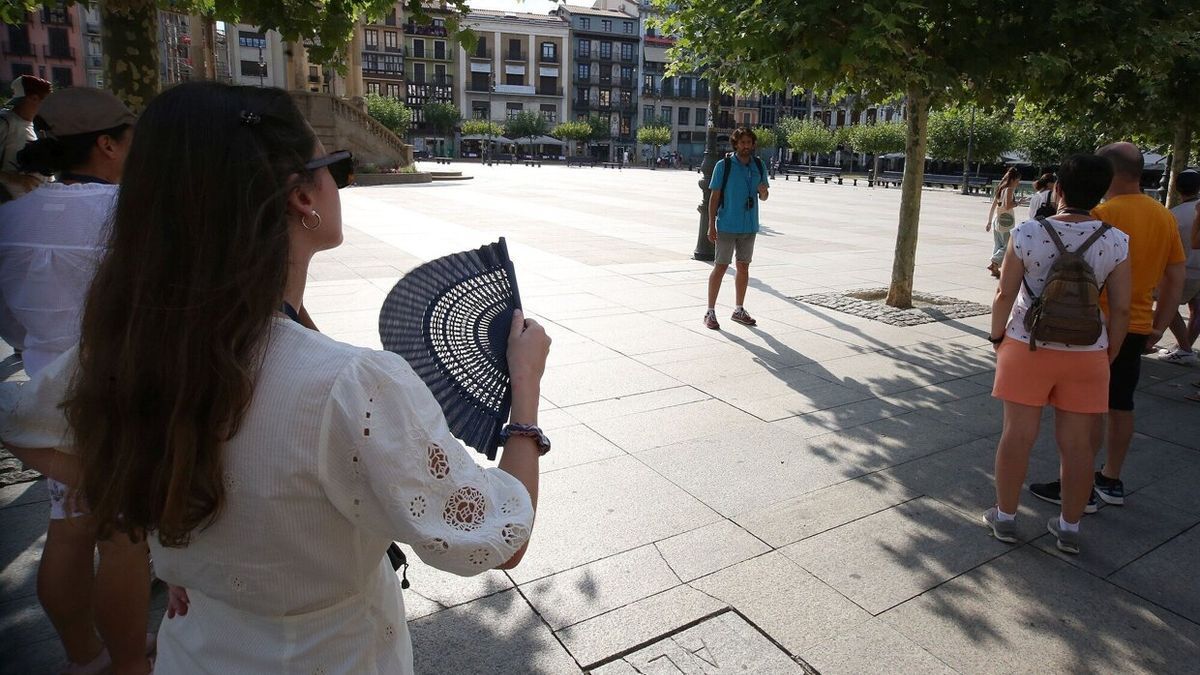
{"x":450,"y":319}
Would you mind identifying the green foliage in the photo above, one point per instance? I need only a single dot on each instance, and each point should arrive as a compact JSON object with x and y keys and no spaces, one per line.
{"x":765,"y":138}
{"x":654,"y":135}
{"x":526,"y":124}
{"x":390,"y":112}
{"x":600,"y":127}
{"x":572,"y":131}
{"x":1047,"y":139}
{"x":443,"y":117}
{"x":807,"y":135}
{"x":950,"y":131}
{"x":876,"y":139}
{"x":481,"y":128}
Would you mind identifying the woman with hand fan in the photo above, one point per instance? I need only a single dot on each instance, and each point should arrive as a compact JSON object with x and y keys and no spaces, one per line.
{"x":269,"y":466}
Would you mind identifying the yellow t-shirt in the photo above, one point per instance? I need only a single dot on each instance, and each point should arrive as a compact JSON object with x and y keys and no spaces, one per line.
{"x":1153,"y":244}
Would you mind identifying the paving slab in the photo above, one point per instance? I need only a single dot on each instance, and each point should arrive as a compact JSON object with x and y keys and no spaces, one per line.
{"x":574,"y":445}
{"x":707,"y":549}
{"x":583,"y":592}
{"x":21,"y":542}
{"x":723,"y":644}
{"x":810,"y":514}
{"x":576,"y":383}
{"x":635,"y":624}
{"x":1167,"y":575}
{"x":592,"y":511}
{"x":432,"y":589}
{"x":887,"y":442}
{"x":496,"y":634}
{"x":634,"y":403}
{"x":795,"y":608}
{"x":1027,"y":611}
{"x":636,"y":333}
{"x":644,"y":430}
{"x":853,"y":414}
{"x":20,"y":494}
{"x":873,"y":647}
{"x":877,"y":373}
{"x":887,"y":558}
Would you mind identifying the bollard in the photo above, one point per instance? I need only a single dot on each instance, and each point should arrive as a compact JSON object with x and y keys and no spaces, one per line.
{"x":812,"y":179}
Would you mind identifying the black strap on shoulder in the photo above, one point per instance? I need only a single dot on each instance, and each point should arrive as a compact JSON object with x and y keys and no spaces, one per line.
{"x":1104,"y":227}
{"x":725,"y":174}
{"x":1053,"y":235}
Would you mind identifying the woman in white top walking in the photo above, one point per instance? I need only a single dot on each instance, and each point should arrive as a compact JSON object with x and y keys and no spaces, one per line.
{"x":1073,"y":378}
{"x":269,"y":466}
{"x":1001,"y":218}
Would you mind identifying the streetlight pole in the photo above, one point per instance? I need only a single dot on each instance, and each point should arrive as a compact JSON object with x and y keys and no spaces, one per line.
{"x":491,"y":88}
{"x":966,"y":186}
{"x":262,"y":67}
{"x":704,"y":248}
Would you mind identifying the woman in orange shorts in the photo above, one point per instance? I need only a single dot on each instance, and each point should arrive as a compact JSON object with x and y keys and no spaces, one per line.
{"x":1071,"y":378}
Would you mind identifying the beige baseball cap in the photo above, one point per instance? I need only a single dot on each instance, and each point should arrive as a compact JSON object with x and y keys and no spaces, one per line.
{"x":83,"y":110}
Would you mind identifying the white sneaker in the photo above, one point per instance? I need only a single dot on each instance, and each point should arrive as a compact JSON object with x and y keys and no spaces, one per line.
{"x":1179,"y":356}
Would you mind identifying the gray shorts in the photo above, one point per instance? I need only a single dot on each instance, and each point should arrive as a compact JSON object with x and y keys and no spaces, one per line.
{"x":728,"y":242}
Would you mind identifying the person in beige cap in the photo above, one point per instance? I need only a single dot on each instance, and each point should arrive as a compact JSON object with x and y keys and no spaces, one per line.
{"x":16,"y":130}
{"x":51,"y":241}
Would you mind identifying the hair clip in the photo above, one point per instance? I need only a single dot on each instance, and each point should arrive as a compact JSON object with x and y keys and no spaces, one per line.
{"x":250,"y":119}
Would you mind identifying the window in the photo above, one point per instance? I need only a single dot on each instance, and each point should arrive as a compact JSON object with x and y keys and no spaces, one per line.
{"x":685,"y":87}
{"x":626,"y":125}
{"x":480,"y":81}
{"x":683,"y":116}
{"x":249,"y":38}
{"x":585,"y":23}
{"x":548,"y":85}
{"x":251,"y":69}
{"x":18,"y":42}
{"x":606,"y":25}
{"x":746,"y":119}
{"x":629,"y":28}
{"x":373,"y":88}
{"x":60,"y":47}
{"x":647,"y":114}
{"x":581,"y":94}
{"x":627,"y":76}
{"x":512,"y":110}
{"x":648,"y":84}
{"x":393,"y":90}
{"x":585,"y":48}
{"x":418,"y":76}
{"x":605,"y":97}
{"x":514,"y":50}
{"x":481,"y":47}
{"x":626,"y":51}
{"x":439,"y":50}
{"x":549,"y":112}
{"x":626,"y":97}
{"x":549,"y":51}
{"x":479,"y":110}
{"x":584,"y":70}
{"x":439,"y":74}
{"x":606,"y":50}
{"x":390,"y":39}
{"x":371,"y":38}
{"x":19,"y":69}
{"x":517,"y":79}
{"x":418,"y":48}
{"x":667,"y":111}
{"x":393,"y":64}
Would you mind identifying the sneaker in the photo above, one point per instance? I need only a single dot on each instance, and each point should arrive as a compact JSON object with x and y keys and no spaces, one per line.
{"x":1067,"y":542}
{"x":1180,"y":357}
{"x":1005,"y":531}
{"x":710,"y":321}
{"x":743,"y":317}
{"x":1111,"y":490}
{"x":1052,"y":492}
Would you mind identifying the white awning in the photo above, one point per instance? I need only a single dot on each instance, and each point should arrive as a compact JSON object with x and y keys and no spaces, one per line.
{"x":481,"y":67}
{"x":545,"y":71}
{"x":656,"y":54}
{"x":514,"y":70}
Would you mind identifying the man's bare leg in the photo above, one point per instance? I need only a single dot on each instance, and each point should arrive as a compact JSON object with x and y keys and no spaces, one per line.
{"x":741,"y":281}
{"x":714,"y":283}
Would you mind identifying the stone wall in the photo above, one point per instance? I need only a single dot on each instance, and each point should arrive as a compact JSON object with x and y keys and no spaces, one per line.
{"x":341,"y":125}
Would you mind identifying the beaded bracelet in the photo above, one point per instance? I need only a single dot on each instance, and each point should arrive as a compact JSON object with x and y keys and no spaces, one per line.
{"x":527,"y":430}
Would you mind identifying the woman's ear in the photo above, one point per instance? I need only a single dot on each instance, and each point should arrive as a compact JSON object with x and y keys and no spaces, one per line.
{"x":301,"y":199}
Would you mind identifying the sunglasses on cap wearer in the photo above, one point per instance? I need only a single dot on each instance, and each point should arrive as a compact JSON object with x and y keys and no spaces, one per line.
{"x":340,"y":164}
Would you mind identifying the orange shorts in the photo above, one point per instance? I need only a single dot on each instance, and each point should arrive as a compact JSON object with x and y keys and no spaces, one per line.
{"x":1071,"y":381}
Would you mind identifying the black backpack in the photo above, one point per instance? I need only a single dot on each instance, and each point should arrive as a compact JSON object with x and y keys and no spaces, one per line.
{"x":1068,"y":310}
{"x":1048,"y":208}
{"x":762,"y":173}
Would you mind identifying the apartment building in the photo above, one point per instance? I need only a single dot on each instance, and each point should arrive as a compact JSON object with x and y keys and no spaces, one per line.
{"x":382,"y":50}
{"x":49,"y":45}
{"x":428,"y":61}
{"x":680,"y":101}
{"x":255,"y":57}
{"x":605,"y":46}
{"x":519,"y":64}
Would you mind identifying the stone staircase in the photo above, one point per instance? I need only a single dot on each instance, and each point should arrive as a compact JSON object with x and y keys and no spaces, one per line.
{"x":341,"y":125}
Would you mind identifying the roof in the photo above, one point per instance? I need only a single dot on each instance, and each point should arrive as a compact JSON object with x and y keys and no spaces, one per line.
{"x":576,"y":9}
{"x":514,"y":17}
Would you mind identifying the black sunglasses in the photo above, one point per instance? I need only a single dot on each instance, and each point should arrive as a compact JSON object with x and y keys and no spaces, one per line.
{"x":340,"y":164}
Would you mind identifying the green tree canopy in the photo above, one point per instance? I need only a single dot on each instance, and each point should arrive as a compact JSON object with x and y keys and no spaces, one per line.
{"x":1047,"y":139}
{"x":654,"y":135}
{"x":951,"y":131}
{"x":572,"y":131}
{"x":765,"y":138}
{"x":807,"y":135}
{"x":526,"y":124}
{"x":390,"y":112}
{"x":600,"y":127}
{"x":481,"y":128}
{"x":876,"y":139}
{"x":443,"y":117}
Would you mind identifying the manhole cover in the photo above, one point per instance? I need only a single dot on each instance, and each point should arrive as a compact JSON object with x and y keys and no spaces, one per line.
{"x":723,"y":644}
{"x":868,"y":303}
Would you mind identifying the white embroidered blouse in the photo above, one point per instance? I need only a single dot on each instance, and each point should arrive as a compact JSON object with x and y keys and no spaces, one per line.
{"x":342,"y":451}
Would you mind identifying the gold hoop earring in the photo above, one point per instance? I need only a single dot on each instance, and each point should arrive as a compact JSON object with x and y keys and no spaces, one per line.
{"x":304,"y":221}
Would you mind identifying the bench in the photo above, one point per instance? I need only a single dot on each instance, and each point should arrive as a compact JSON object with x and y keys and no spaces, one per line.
{"x":974,"y":183}
{"x":827,"y":173}
{"x":531,"y":162}
{"x":612,"y":165}
{"x":581,"y":161}
{"x":441,"y":160}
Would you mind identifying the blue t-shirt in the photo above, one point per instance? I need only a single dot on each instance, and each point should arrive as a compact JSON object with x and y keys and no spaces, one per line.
{"x":733,"y":216}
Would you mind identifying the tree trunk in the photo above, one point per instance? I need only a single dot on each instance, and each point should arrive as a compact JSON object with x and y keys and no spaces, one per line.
{"x":900,"y":292}
{"x":129,"y":38}
{"x":875,"y":168}
{"x":1181,"y":149}
{"x":209,"y":52}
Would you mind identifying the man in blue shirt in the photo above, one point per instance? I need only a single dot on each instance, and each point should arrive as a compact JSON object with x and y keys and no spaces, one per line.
{"x":733,"y":221}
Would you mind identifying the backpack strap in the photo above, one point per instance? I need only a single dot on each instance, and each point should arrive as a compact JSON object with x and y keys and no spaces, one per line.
{"x":1104,"y":227}
{"x":725,"y":174}
{"x":1053,"y":235}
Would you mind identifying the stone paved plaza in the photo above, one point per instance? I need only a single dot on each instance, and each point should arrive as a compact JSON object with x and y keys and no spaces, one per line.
{"x":801,"y":496}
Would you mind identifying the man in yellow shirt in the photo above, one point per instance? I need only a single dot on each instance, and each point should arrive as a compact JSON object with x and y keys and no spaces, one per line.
{"x":1157,"y":263}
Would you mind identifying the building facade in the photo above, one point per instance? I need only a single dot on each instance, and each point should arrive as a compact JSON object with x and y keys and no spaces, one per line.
{"x":382,"y":48}
{"x":605,"y":47}
{"x":254,"y":57}
{"x":48,"y":44}
{"x":680,"y":102}
{"x":428,"y":66}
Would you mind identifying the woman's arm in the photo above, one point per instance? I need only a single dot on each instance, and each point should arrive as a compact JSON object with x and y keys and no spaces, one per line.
{"x":49,"y":462}
{"x":1012,"y":270}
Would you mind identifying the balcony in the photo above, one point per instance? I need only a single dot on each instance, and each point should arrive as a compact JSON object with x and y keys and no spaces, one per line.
{"x":485,"y":55}
{"x":606,"y":80}
{"x":59,"y":53}
{"x":628,"y":58}
{"x":668,"y":91}
{"x":550,"y":91}
{"x":583,"y":56}
{"x":371,"y":47}
{"x":95,"y":61}
{"x":516,"y":89}
{"x":381,"y":74}
{"x":19,"y":49}
{"x":606,"y":57}
{"x":584,"y":81}
{"x":92,"y":27}
{"x":627,"y":82}
{"x":548,"y":58}
{"x":515,"y":56}
{"x":395,"y":49}
{"x":444,"y":55}
{"x":415,"y":29}
{"x":434,"y":80}
{"x":478,"y":88}
{"x":57,"y":17}
{"x":650,"y":91}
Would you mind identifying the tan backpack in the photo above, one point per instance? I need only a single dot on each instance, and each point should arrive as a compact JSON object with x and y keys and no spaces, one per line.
{"x":1068,"y":310}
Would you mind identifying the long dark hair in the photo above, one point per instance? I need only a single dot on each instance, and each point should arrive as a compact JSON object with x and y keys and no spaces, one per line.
{"x":180,"y":309}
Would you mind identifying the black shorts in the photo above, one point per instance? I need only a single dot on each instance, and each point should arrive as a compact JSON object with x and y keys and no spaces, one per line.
{"x":1125,"y":371}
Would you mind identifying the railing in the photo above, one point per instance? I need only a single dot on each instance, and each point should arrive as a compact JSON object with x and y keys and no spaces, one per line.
{"x":629,"y":58}
{"x":377,"y":129}
{"x":586,"y":56}
{"x":67,"y":54}
{"x":608,"y":57}
{"x":553,"y":58}
{"x":578,"y":79}
{"x":370,"y":46}
{"x":514,"y":56}
{"x":414,"y":29}
{"x":56,"y":18}
{"x":627,"y":82}
{"x":443,"y":81}
{"x":394,"y":50}
{"x":95,"y":61}
{"x":650,"y":91}
{"x":92,"y":27}
{"x":17,"y":50}
{"x":584,"y":103}
{"x":487,"y":54}
{"x":543,"y":91}
{"x":443,"y":56}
